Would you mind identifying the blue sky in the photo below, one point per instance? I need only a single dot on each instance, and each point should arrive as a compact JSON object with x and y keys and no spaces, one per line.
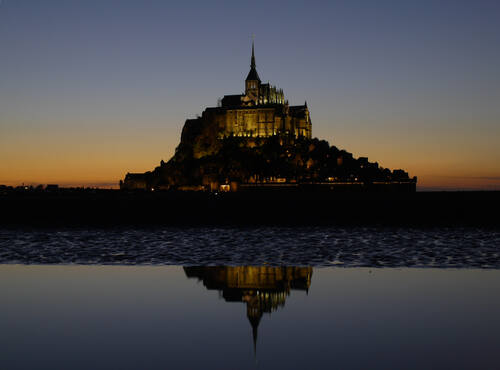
{"x":92,"y":89}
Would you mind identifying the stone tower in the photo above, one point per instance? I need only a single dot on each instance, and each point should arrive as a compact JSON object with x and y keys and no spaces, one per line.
{"x":252,"y":82}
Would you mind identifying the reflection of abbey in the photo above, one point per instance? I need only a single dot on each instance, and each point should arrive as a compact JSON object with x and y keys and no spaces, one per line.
{"x":263,"y":289}
{"x":261,"y":111}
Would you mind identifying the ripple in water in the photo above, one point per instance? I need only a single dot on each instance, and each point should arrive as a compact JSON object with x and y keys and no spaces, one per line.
{"x":209,"y":246}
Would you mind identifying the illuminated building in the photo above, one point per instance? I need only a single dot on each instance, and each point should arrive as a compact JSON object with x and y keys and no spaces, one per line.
{"x":256,"y":141}
{"x":261,"y":111}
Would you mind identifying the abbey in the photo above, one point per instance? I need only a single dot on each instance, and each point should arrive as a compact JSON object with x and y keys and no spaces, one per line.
{"x":261,"y":111}
{"x":256,"y":140}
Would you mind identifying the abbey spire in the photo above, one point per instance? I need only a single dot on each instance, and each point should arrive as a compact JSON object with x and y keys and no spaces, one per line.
{"x":252,"y":63}
{"x":252,"y":82}
{"x":253,"y":75}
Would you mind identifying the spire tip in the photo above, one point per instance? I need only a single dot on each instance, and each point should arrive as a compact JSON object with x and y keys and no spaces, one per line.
{"x":252,"y":63}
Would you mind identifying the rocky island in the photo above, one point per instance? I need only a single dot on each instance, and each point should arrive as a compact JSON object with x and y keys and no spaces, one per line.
{"x":257,"y":141}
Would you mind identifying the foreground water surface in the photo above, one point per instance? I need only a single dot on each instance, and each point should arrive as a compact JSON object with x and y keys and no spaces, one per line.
{"x":250,"y":298}
{"x":311,"y":246}
{"x":247,"y":317}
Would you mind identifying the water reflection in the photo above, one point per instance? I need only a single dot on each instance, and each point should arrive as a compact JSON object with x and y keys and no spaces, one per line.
{"x":263,"y":289}
{"x":132,"y":317}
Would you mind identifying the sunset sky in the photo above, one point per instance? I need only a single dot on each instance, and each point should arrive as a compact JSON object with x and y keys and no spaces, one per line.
{"x":92,"y":89}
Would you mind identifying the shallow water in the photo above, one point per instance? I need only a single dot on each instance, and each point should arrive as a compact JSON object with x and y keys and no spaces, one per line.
{"x":308,"y":246}
{"x":250,"y":298}
{"x":130,"y":317}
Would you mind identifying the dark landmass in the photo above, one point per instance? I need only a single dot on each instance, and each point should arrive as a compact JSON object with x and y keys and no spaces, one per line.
{"x":281,"y":159}
{"x":312,"y":206}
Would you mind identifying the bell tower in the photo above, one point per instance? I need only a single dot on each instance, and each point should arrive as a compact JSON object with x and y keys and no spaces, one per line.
{"x":252,"y":82}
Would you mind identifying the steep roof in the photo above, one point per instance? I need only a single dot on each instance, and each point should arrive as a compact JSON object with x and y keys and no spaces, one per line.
{"x":253,"y":75}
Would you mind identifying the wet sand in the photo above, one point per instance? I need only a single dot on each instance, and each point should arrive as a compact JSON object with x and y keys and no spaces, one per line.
{"x":464,"y":247}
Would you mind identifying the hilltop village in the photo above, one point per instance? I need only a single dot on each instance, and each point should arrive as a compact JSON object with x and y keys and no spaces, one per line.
{"x":256,"y":140}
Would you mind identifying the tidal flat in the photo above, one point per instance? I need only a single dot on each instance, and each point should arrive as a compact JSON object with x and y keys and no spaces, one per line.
{"x":317,"y":246}
{"x":113,"y":208}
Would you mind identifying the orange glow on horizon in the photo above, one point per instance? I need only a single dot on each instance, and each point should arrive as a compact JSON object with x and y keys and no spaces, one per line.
{"x":102,"y":157}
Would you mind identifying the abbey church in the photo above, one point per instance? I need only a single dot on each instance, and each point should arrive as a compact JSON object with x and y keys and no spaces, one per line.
{"x":256,"y":140}
{"x":261,"y":111}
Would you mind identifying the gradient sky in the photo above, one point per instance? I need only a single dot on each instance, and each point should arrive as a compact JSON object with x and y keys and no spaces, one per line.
{"x":92,"y":89}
